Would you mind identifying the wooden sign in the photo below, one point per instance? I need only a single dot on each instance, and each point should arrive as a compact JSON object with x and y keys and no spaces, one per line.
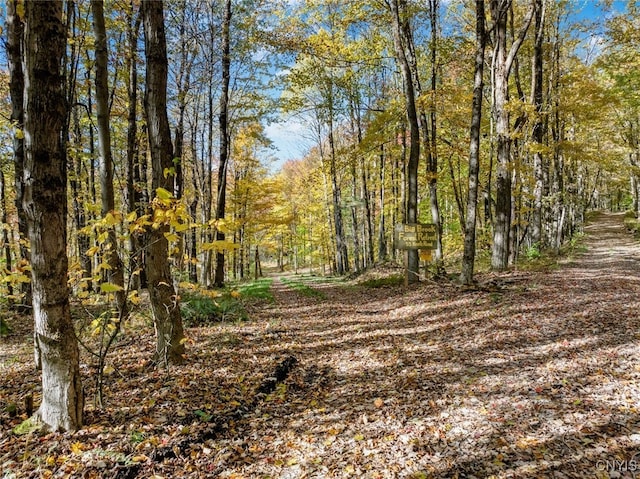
{"x":416,"y":236}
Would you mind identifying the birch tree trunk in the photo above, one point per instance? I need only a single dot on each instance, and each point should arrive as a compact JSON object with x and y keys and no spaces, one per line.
{"x":165,"y":303}
{"x":45,"y":203}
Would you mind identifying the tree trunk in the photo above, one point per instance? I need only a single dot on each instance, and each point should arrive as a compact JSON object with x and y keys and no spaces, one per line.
{"x":136,"y":197}
{"x":342,"y":259}
{"x":45,"y":201}
{"x":502,"y":62}
{"x":115,"y":273}
{"x":431,"y":143}
{"x":224,"y":139}
{"x":411,"y":209}
{"x":382,"y":239}
{"x":183,"y":86}
{"x":538,"y":126}
{"x":358,"y":263}
{"x":15,"y":30}
{"x":165,"y":303}
{"x":6,"y":244}
{"x":468,"y":258}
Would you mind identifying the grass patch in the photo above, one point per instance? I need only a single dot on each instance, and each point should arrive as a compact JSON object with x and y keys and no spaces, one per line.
{"x":383,"y":282}
{"x":201,"y":308}
{"x":315,"y":279}
{"x":632,"y":224}
{"x":302,"y":288}
{"x":259,"y":289}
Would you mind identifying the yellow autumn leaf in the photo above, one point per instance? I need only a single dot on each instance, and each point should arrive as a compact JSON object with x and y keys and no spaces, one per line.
{"x":134,"y":297}
{"x":77,"y":447}
{"x":171,"y":237}
{"x":110,"y":288}
{"x":111,"y":219}
{"x":163,"y":194}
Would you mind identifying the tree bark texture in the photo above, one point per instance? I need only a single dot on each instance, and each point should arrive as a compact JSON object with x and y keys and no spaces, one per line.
{"x":224,"y":140}
{"x":538,"y":126}
{"x":115,"y":274}
{"x":45,"y":203}
{"x":502,"y":62}
{"x":411,"y":216}
{"x":468,"y":258}
{"x":15,"y":32}
{"x":164,"y":300}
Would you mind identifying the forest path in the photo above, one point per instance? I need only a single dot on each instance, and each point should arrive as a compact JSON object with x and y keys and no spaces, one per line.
{"x":611,"y":249}
{"x":537,"y":378}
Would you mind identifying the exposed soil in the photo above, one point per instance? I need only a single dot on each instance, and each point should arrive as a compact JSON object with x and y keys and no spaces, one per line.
{"x":536,"y":376}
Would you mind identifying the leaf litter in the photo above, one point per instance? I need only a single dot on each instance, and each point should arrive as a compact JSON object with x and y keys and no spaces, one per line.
{"x":536,"y":376}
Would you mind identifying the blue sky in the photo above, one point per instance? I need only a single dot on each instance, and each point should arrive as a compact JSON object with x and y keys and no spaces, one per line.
{"x":289,"y":136}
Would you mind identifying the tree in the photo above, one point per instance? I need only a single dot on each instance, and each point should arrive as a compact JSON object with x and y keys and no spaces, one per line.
{"x":137,"y":196}
{"x":502,"y":62}
{"x":468,"y":258}
{"x":621,"y":65}
{"x":538,"y":127}
{"x":45,"y":201}
{"x":224,"y":140}
{"x":401,"y":41}
{"x":116,"y":268}
{"x":15,"y":31}
{"x":165,"y":303}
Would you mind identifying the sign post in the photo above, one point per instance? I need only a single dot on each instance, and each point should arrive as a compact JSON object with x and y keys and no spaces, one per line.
{"x":420,"y":236}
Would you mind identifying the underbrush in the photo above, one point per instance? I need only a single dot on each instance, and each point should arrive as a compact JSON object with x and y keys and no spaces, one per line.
{"x":383,"y":282}
{"x":203,"y":307}
{"x":632,"y":224}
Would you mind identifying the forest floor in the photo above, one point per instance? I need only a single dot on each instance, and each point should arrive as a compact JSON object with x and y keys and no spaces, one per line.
{"x":533,"y":374}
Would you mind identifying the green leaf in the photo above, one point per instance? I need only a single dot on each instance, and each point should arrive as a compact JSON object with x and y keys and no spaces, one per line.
{"x":110,"y":288}
{"x":171,"y":237}
{"x":163,"y":194}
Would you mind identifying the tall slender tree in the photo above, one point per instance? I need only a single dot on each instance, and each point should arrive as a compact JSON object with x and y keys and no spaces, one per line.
{"x":503,"y":59}
{"x":538,"y":126}
{"x":45,"y":201}
{"x":15,"y":31}
{"x":136,"y":188}
{"x":224,"y":139}
{"x":468,"y":258}
{"x":400,"y":28}
{"x":108,"y":204}
{"x":165,"y":303}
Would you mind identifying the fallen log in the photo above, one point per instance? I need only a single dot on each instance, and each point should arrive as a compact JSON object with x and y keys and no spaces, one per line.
{"x":219,"y":424}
